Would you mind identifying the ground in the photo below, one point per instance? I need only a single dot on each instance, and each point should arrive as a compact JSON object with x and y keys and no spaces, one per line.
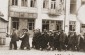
{"x":4,"y":50}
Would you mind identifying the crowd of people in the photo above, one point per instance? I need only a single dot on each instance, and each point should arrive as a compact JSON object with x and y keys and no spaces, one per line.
{"x":49,"y":40}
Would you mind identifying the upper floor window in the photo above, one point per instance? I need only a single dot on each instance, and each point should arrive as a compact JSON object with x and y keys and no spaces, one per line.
{"x":33,"y":3}
{"x":45,"y":3}
{"x":72,"y":6}
{"x":82,"y":2}
{"x":61,"y":1}
{"x":14,"y":2}
{"x":53,"y":4}
{"x":24,"y":3}
{"x":53,"y":0}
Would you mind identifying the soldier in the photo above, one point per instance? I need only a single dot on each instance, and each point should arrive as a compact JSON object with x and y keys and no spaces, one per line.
{"x":25,"y":40}
{"x":36,"y":38}
{"x":84,"y":42}
{"x":74,"y":42}
{"x":51,"y":40}
{"x":78,"y":42}
{"x":56,"y":40}
{"x":70,"y":39}
{"x":44,"y":40}
{"x":81,"y":44}
{"x":14,"y":40}
{"x":62,"y":40}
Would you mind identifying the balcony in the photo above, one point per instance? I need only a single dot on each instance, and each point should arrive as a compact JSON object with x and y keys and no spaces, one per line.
{"x":59,"y":10}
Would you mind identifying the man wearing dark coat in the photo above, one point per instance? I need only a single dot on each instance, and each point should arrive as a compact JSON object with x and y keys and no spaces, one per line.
{"x":74,"y":42}
{"x":51,"y":41}
{"x":37,"y":39}
{"x":56,"y":40}
{"x":70,"y":40}
{"x":34,"y":39}
{"x":43,"y":40}
{"x":25,"y":40}
{"x":84,"y":42}
{"x":14,"y":40}
{"x":62,"y":40}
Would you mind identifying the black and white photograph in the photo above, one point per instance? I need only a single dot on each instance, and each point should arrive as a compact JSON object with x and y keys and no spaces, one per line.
{"x":42,"y":27}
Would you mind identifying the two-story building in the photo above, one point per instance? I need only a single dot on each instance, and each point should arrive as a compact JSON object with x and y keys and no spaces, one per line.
{"x":44,"y":14}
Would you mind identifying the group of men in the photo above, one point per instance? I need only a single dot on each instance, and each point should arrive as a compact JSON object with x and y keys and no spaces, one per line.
{"x":24,"y":38}
{"x":49,"y":40}
{"x":58,"y":40}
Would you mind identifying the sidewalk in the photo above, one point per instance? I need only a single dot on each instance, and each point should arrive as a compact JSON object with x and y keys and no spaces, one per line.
{"x":6,"y":46}
{"x":4,"y":50}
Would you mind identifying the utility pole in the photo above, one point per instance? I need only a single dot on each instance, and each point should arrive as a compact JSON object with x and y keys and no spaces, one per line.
{"x":65,"y":15}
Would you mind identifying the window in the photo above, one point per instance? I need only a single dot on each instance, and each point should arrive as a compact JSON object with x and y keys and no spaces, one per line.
{"x":73,"y":6}
{"x":82,"y":2}
{"x":15,"y":23}
{"x":33,"y":3}
{"x":61,"y":1}
{"x":14,"y":2}
{"x":45,"y":25}
{"x":72,"y":26}
{"x":53,"y":0}
{"x":59,"y":25}
{"x":45,"y":3}
{"x":24,"y":3}
{"x":83,"y":25}
{"x":31,"y":23}
{"x":53,"y":4}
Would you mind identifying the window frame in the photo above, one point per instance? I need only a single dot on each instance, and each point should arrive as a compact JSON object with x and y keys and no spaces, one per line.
{"x":16,"y":21}
{"x":59,"y":24}
{"x":33,"y":3}
{"x":72,"y":26}
{"x":24,"y":3}
{"x":82,"y":2}
{"x":45,"y":24}
{"x":14,"y":2}
{"x":45,"y":3}
{"x":72,"y":3}
{"x":53,"y":4}
{"x":31,"y":21}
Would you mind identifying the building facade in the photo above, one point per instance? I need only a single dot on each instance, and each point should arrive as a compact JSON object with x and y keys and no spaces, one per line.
{"x":44,"y":14}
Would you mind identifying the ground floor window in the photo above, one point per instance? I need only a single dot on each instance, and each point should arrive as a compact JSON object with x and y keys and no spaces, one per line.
{"x":83,"y":26}
{"x":52,"y":25}
{"x":15,"y":23}
{"x":72,"y":25}
{"x":82,"y":30}
{"x":59,"y":25}
{"x":31,"y":23}
{"x":45,"y":25}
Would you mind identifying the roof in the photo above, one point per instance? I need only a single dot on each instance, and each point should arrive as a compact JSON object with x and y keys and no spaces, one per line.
{"x":3,"y":19}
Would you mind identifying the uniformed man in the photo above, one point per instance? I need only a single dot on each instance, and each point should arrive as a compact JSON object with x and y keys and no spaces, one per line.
{"x":25,"y":40}
{"x":62,"y":40}
{"x":14,"y":39}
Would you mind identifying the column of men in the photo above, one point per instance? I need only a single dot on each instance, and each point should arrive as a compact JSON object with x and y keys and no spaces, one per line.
{"x":49,"y":40}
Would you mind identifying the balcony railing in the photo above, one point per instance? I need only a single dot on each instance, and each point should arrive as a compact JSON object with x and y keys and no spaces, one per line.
{"x":53,"y":12}
{"x":57,"y":11}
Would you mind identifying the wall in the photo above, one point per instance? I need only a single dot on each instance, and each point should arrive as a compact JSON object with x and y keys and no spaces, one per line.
{"x":3,"y":28}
